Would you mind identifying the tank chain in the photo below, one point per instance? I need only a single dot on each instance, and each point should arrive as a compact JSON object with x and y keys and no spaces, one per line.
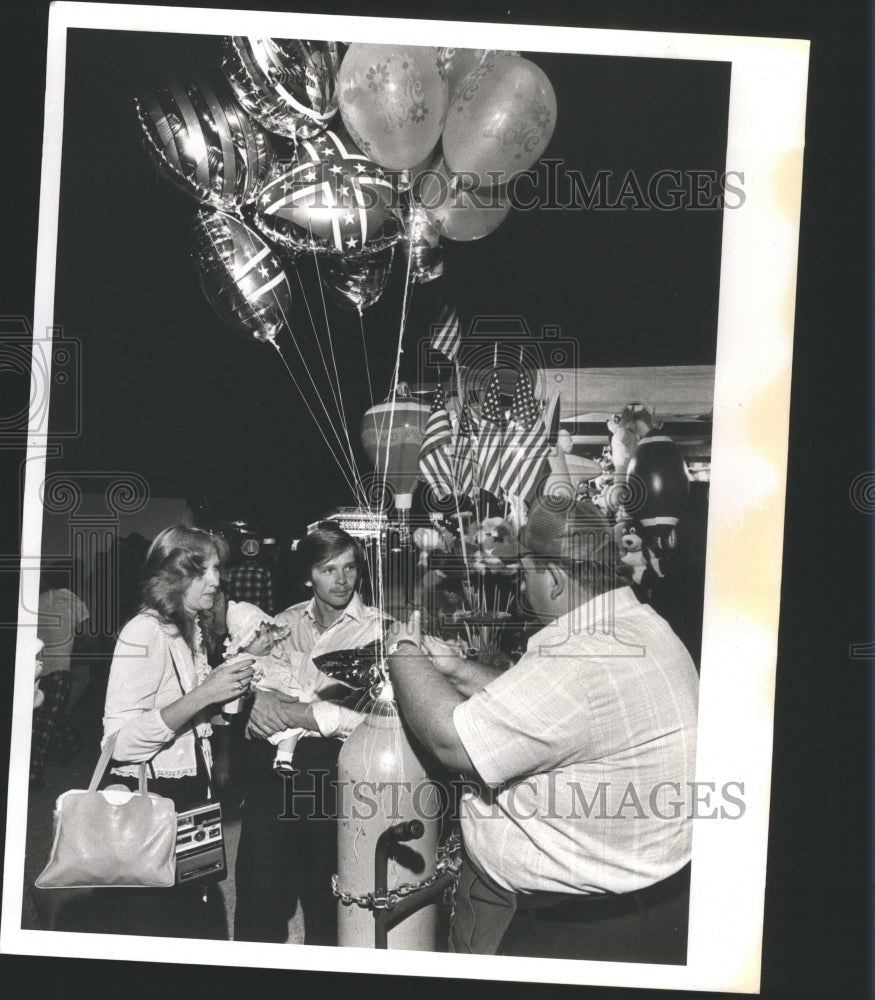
{"x":448,"y":859}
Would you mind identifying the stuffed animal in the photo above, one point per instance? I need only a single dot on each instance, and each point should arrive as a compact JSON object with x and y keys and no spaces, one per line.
{"x":638,"y":562}
{"x":624,"y":441}
{"x":627,"y":428}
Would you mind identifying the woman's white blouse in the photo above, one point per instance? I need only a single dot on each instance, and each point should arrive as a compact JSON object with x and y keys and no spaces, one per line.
{"x":142,"y":681}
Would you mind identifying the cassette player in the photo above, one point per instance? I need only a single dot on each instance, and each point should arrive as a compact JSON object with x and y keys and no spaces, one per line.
{"x":200,"y":844}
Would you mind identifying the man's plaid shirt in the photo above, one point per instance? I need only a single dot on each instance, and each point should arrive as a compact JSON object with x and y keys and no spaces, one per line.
{"x":251,"y":583}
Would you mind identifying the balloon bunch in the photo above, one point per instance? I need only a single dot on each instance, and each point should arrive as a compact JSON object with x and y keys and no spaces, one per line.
{"x":500,"y":116}
{"x":342,"y":155}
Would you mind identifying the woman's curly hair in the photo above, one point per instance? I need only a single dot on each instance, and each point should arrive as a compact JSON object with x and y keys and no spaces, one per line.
{"x":178,"y":556}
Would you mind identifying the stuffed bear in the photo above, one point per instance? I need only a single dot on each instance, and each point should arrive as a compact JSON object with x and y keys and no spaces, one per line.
{"x":639,"y":563}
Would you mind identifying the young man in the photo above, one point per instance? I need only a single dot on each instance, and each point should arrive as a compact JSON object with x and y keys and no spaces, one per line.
{"x":288,"y":839}
{"x":581,"y":754}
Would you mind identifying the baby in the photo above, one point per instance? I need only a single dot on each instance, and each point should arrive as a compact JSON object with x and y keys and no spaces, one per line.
{"x":254,"y":633}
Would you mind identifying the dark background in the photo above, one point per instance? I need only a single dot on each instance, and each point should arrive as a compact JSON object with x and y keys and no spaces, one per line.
{"x":817,"y":913}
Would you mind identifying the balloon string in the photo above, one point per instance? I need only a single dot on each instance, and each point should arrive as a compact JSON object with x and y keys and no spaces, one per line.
{"x":334,"y":455}
{"x":331,"y":423}
{"x":307,"y":369}
{"x":398,"y":353}
{"x":334,"y":388}
{"x":334,"y":364}
{"x":367,"y":363}
{"x":331,"y":386}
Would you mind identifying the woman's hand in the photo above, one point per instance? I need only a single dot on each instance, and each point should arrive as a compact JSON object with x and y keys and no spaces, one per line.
{"x":227,"y":681}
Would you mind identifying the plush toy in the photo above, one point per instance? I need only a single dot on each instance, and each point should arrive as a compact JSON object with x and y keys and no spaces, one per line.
{"x":431,"y":539}
{"x":638,"y":562}
{"x":493,"y":547}
{"x":627,"y":428}
{"x":624,"y":441}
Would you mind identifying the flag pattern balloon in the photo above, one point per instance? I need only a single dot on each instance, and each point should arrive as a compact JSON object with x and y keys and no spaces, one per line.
{"x":332,"y":199}
{"x":287,"y":85}
{"x":241,"y":277}
{"x":202,"y":141}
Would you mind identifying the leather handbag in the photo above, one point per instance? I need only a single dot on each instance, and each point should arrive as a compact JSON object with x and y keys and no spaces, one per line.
{"x":112,"y":837}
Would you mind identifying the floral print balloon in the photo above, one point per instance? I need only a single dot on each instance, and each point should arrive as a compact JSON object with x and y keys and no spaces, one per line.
{"x":500,"y":121}
{"x":393,"y":101}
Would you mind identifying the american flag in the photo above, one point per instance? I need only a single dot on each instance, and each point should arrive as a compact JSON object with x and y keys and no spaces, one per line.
{"x":463,"y":456}
{"x":446,"y":332}
{"x":525,"y":444}
{"x":435,"y":462}
{"x":332,"y":197}
{"x":489,"y":445}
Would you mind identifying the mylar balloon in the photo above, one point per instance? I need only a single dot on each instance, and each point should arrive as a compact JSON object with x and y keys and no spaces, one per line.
{"x":203,"y":142}
{"x":423,"y":245}
{"x":500,"y":120}
{"x":358,"y":281}
{"x":393,"y":100}
{"x":460,"y":214}
{"x":287,"y":85}
{"x":458,"y":63}
{"x":240,"y":275}
{"x":331,"y":199}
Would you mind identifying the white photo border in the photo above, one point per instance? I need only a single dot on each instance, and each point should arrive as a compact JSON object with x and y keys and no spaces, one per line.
{"x":745,"y":530}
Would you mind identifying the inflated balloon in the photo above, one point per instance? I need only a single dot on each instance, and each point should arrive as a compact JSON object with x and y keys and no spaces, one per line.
{"x":393,"y":101}
{"x":423,"y":246}
{"x":660,"y":487}
{"x":287,"y":85}
{"x":460,"y":214}
{"x":241,"y":277}
{"x":458,"y":63}
{"x":500,"y":120}
{"x":331,"y":200}
{"x":202,"y":141}
{"x":358,"y":281}
{"x":404,"y":180}
{"x":392,"y":434}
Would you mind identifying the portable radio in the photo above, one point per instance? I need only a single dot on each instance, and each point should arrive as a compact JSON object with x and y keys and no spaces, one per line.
{"x":200,"y":844}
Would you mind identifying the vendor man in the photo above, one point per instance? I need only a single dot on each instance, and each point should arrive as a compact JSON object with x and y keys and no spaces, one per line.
{"x":583,"y":754}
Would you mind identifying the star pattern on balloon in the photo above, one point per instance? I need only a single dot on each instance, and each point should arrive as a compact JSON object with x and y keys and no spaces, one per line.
{"x":332,"y":192}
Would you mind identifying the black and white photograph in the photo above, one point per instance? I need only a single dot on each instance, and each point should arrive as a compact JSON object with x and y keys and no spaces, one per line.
{"x":403,"y":503}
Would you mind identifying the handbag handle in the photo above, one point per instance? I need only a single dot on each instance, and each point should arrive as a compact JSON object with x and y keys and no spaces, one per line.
{"x":103,"y":763}
{"x":197,"y":739}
